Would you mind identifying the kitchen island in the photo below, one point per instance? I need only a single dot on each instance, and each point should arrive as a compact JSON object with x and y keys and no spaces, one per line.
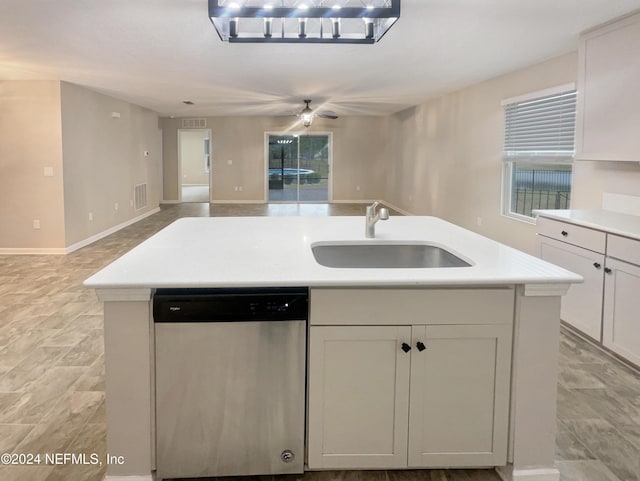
{"x":501,"y":310}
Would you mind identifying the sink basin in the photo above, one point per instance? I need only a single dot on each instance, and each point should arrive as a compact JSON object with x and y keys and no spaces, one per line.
{"x":388,"y":256}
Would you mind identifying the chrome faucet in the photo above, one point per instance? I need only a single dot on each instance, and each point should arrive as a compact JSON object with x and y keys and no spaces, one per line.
{"x":371,"y":218}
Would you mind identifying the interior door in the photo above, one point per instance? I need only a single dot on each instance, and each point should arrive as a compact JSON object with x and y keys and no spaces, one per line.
{"x":195,"y":164}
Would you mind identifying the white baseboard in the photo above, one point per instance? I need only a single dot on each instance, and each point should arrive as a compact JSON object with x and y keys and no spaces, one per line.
{"x":11,"y":251}
{"x":170,"y":202}
{"x":101,"y":235}
{"x":77,"y":245}
{"x":508,"y":473}
{"x":148,"y":477}
{"x":238,"y":202}
{"x":353,"y":201}
{"x":396,"y":208}
{"x":371,"y":201}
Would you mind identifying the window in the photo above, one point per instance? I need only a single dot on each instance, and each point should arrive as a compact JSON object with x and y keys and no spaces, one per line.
{"x":298,"y":166}
{"x":538,"y":152}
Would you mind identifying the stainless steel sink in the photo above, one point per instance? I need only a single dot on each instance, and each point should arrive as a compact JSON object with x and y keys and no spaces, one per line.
{"x":377,"y":256}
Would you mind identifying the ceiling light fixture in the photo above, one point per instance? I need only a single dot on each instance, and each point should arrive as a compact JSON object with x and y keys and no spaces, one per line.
{"x":289,"y":21}
{"x":306,"y":114}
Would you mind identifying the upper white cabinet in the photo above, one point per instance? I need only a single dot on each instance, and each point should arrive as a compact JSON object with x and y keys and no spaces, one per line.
{"x":608,"y":112}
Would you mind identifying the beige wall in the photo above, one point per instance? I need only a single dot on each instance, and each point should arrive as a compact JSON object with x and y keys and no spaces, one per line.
{"x":95,"y":160}
{"x":592,"y":179}
{"x":192,"y":157}
{"x":358,"y":146}
{"x":30,"y":140}
{"x":104,"y":159}
{"x":440,"y":158}
{"x":447,"y":152}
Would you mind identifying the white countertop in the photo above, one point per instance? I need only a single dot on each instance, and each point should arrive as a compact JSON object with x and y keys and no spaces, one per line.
{"x":605,"y":220}
{"x":276,"y":251}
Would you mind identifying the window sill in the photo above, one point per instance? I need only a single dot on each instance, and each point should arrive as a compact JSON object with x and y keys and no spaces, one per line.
{"x":520,"y":218}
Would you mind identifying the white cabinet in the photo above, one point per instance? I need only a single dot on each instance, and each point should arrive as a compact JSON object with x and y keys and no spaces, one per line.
{"x":358,"y":397}
{"x":459,"y":395}
{"x":590,"y":239}
{"x":421,"y":395}
{"x":621,"y":318}
{"x":608,"y":109}
{"x":605,"y":307}
{"x":582,"y":305}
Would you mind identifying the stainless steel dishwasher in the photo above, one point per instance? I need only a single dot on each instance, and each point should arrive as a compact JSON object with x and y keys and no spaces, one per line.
{"x":230,"y":381}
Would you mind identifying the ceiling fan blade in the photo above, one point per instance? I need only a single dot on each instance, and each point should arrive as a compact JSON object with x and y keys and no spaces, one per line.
{"x":327,"y":116}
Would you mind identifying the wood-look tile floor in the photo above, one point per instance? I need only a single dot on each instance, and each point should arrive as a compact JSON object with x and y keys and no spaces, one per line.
{"x":52,"y":370}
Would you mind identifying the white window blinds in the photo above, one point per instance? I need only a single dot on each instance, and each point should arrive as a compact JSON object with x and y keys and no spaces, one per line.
{"x":541,"y":129}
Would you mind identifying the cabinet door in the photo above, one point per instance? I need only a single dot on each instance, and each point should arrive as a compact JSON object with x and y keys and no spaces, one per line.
{"x":621,"y":332}
{"x":459,"y":399}
{"x":608,"y":110}
{"x":582,"y":305}
{"x":358,"y":397}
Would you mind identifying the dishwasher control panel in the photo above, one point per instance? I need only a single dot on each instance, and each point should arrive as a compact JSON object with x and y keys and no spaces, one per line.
{"x":228,"y":305}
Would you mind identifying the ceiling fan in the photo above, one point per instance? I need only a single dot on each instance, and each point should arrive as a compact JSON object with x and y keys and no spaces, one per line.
{"x":307,"y":114}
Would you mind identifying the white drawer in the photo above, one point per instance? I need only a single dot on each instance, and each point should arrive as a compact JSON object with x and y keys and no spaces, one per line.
{"x":624,"y":248}
{"x":375,"y":306}
{"x":584,"y":237}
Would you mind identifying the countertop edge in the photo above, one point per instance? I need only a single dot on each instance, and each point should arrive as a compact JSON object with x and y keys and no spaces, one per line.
{"x":583,"y":220}
{"x":553,"y":287}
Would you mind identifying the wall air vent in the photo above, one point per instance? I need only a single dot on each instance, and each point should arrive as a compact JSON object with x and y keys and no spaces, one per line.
{"x":194,"y":123}
{"x":140,"y":196}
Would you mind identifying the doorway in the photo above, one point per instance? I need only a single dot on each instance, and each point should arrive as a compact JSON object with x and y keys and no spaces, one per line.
{"x":194,"y":153}
{"x":298,"y":167}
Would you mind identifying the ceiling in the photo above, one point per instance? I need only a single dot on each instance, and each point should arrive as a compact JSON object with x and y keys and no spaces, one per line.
{"x":157,"y":53}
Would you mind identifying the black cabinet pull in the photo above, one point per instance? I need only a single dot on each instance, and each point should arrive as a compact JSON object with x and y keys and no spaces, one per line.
{"x":597,"y":265}
{"x":564,"y":233}
{"x":405,"y":347}
{"x":607,"y":270}
{"x":421,"y":347}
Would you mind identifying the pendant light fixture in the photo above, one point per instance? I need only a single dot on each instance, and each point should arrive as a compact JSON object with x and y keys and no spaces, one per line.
{"x":303,"y":21}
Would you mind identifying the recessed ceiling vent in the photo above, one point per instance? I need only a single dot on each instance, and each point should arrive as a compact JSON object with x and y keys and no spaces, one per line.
{"x":140,"y":196}
{"x":194,"y":123}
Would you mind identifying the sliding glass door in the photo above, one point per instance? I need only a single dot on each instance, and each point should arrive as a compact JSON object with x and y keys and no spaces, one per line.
{"x":298,"y":167}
